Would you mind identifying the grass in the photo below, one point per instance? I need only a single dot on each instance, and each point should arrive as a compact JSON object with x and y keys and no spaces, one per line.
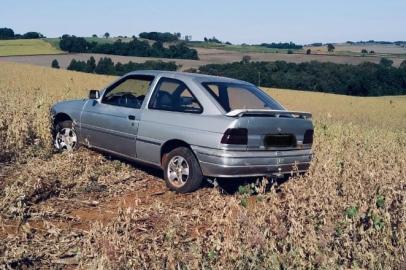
{"x":85,"y":210}
{"x":239,"y":48}
{"x":26,"y":47}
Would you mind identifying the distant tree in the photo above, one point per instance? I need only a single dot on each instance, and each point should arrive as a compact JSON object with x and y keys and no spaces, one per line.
{"x":94,"y":35}
{"x":135,"y":47}
{"x":309,"y":51}
{"x":246,"y":59}
{"x":366,"y":79}
{"x":403,"y":65}
{"x":330,"y":47}
{"x":77,"y":65}
{"x":163,"y":37}
{"x":364,"y":51}
{"x":282,"y":45}
{"x":55,"y":64}
{"x":105,"y":66}
{"x":32,"y":35}
{"x":106,"y":35}
{"x":317,"y":44}
{"x":91,"y":65}
{"x":6,"y":33}
{"x":215,"y":40}
{"x":386,"y":62}
{"x":290,"y":52}
{"x":228,"y":43}
{"x":74,"y":44}
{"x":212,"y":40}
{"x":372,"y":52}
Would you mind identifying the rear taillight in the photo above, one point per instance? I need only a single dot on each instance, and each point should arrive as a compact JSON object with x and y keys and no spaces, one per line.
{"x":308,"y":137}
{"x":235,"y":136}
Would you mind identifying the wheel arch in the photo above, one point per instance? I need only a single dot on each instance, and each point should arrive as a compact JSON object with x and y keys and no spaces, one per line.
{"x":59,"y":117}
{"x":169,"y":145}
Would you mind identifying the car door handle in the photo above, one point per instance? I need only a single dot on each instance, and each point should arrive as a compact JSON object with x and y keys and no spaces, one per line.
{"x":131,"y":117}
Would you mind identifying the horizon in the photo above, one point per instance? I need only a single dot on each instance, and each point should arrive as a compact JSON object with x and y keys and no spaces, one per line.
{"x":251,"y":23}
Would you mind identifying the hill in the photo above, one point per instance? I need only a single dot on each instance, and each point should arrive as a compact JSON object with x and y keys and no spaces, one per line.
{"x":84,"y":209}
{"x":26,"y":47}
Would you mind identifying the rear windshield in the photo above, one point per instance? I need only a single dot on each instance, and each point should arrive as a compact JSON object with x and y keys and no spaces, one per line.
{"x":233,"y":96}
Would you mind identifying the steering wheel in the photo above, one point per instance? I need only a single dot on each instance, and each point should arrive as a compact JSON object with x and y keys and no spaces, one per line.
{"x":130,"y":100}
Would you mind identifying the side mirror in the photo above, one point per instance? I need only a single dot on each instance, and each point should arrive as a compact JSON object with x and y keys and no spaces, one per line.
{"x":94,"y":94}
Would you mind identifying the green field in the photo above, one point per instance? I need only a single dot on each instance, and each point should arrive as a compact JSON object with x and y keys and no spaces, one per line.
{"x":26,"y":47}
{"x":244,"y":48}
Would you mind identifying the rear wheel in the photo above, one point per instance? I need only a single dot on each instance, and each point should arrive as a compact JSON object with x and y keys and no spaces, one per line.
{"x":182,"y":170}
{"x":65,"y":138}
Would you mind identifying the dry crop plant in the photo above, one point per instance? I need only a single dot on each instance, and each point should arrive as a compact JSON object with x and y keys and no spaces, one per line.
{"x":26,"y":94}
{"x":349,"y":211}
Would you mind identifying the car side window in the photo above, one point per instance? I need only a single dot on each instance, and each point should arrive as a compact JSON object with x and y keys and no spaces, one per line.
{"x":129,"y":92}
{"x":174,"y":95}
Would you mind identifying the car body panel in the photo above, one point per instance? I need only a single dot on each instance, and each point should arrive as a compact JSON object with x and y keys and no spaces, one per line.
{"x":108,"y":128}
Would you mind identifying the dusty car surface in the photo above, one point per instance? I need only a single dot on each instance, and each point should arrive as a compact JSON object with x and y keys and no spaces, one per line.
{"x":190,"y":125}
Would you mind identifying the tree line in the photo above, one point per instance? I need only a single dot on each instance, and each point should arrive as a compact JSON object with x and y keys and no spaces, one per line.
{"x":379,"y":42}
{"x":106,"y":66}
{"x":135,"y":47}
{"x":8,"y":33}
{"x":366,"y":79}
{"x":162,"y":37}
{"x":282,"y":45}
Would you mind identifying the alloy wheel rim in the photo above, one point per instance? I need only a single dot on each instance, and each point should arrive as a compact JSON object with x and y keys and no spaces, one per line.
{"x":178,"y":171}
{"x":65,"y":139}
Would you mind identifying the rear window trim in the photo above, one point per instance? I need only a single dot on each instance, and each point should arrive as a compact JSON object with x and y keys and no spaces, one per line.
{"x":264,"y":97}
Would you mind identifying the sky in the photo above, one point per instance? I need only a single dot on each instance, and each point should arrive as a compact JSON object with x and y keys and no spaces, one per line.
{"x":236,"y":21}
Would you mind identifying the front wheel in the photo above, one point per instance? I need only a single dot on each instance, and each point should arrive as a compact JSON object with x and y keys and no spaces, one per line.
{"x":65,"y":138}
{"x":182,"y":170}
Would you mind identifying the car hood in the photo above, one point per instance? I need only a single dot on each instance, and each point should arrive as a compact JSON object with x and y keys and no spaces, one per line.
{"x":67,"y":106}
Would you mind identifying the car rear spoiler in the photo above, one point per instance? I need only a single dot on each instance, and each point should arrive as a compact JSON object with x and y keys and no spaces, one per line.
{"x":274,"y":113}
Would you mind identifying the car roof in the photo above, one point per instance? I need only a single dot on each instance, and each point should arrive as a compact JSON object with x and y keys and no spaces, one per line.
{"x":186,"y":76}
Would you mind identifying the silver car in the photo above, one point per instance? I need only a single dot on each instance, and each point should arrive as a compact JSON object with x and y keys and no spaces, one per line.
{"x":190,"y":125}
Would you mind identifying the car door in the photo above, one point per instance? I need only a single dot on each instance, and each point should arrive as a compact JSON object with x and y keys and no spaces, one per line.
{"x":170,"y":114}
{"x":111,"y":123}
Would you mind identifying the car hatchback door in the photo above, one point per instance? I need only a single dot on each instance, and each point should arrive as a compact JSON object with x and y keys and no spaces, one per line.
{"x":111,"y":123}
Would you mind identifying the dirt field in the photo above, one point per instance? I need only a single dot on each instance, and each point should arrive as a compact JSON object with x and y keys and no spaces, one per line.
{"x":85,"y":210}
{"x":357,"y":48}
{"x":207,"y":56}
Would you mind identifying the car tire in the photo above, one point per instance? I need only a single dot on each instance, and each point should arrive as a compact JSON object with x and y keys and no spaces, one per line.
{"x":182,"y":171}
{"x":65,"y":136}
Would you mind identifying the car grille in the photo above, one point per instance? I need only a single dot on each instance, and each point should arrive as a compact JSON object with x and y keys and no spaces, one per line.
{"x":280,"y":140}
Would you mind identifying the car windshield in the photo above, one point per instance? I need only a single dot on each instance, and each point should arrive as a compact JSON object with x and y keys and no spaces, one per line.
{"x":233,"y":96}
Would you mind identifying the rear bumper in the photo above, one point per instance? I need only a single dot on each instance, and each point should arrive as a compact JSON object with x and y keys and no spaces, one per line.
{"x":225,"y":163}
